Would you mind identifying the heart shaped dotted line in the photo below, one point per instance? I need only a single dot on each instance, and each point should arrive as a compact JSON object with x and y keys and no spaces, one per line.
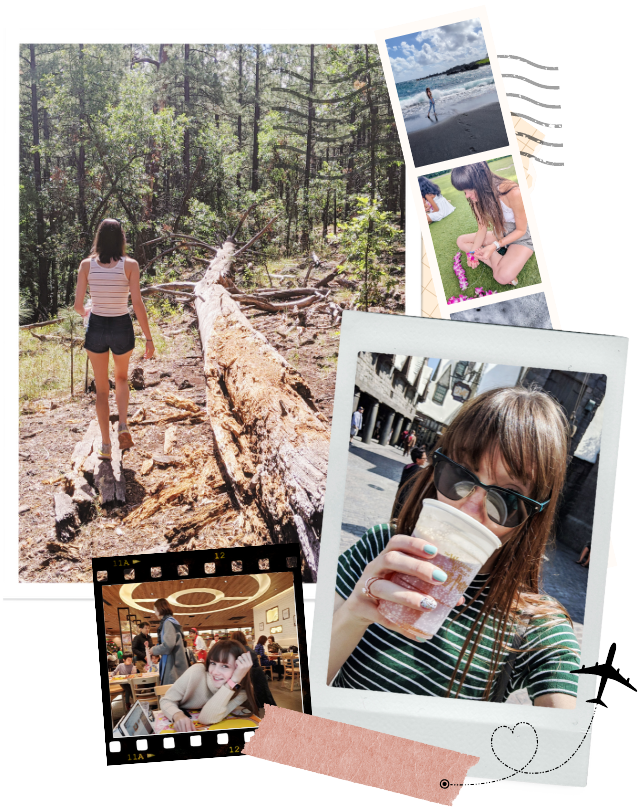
{"x":445,"y":784}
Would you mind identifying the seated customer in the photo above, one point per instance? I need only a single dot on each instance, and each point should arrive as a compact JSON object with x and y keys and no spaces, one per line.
{"x":125,"y":668}
{"x":214,"y":688}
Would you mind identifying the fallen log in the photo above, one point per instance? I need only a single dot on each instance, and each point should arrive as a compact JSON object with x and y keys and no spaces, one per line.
{"x":41,"y":323}
{"x":195,"y":521}
{"x":183,"y":404}
{"x":67,"y":521}
{"x":261,"y":303}
{"x":270,"y":439}
{"x":202,"y":479}
{"x":106,"y":476}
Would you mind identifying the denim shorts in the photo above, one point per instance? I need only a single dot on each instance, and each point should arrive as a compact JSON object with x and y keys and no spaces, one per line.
{"x":104,"y":333}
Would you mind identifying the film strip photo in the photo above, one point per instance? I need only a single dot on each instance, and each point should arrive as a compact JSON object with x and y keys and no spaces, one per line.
{"x":464,"y":151}
{"x":193,"y":645}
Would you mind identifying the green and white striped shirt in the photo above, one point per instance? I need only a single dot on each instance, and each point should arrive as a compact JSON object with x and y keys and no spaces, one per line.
{"x":385,"y":661}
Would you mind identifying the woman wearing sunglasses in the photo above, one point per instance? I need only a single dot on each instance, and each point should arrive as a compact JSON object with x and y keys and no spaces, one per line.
{"x":502,"y":462}
{"x":111,"y":276}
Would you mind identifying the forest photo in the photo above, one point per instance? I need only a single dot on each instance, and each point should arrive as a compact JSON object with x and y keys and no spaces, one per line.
{"x":261,"y":190}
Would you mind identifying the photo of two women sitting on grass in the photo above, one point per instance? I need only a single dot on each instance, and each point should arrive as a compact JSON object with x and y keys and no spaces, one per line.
{"x":476,"y":215}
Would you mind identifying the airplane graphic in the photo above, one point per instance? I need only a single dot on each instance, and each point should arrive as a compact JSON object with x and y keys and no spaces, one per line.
{"x":607,"y":672}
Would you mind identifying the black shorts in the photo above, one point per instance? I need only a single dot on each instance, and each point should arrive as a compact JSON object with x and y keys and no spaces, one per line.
{"x":104,"y":333}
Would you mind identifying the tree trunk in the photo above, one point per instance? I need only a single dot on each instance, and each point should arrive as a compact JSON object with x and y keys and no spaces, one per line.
{"x":256,"y":122}
{"x":373,"y":113}
{"x":271,"y":442}
{"x":43,"y":265}
{"x":305,"y":227}
{"x":240,"y":106}
{"x":82,"y":173}
{"x":186,"y":90}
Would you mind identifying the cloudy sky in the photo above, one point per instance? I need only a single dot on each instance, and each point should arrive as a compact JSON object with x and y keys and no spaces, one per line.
{"x":426,"y":52}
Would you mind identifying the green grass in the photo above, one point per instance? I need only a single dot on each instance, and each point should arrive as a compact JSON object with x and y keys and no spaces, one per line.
{"x":445,"y":233}
{"x":45,"y":368}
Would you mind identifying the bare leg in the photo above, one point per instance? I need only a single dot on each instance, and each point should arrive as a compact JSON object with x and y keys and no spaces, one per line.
{"x":121,"y":363}
{"x":429,"y":219}
{"x":507,"y":268}
{"x":466,"y":241}
{"x":100,"y":365}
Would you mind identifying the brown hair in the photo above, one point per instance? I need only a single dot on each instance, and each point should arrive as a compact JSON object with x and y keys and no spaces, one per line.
{"x":109,"y":243}
{"x":163,"y":607}
{"x":220,"y":653}
{"x":487,"y":209}
{"x":238,"y":635}
{"x":528,"y":430}
{"x":262,"y":640}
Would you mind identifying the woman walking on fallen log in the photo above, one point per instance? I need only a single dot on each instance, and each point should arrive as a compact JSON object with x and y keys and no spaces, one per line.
{"x":111,"y":277}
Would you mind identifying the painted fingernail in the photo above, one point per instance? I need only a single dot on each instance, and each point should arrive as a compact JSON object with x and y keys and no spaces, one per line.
{"x":428,"y":603}
{"x":438,"y":575}
{"x":420,"y":639}
{"x":429,"y":549}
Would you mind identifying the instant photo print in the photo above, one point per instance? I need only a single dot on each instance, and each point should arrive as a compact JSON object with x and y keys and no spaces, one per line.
{"x":210,"y":595}
{"x":395,"y":369}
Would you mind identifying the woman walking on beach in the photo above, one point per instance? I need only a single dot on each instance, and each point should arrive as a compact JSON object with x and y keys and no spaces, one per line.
{"x":502,"y":223}
{"x":432,"y":107}
{"x":435,"y":204}
{"x":111,"y":277}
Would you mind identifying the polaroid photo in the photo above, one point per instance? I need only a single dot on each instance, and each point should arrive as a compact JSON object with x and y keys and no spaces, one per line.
{"x":470,"y":190}
{"x":182,"y":652}
{"x":469,"y":504}
{"x":218,"y":435}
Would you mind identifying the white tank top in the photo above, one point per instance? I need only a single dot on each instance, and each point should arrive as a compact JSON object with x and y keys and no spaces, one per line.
{"x":508,"y":213}
{"x":109,"y":288}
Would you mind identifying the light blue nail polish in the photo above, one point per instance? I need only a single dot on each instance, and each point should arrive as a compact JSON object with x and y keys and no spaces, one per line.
{"x":438,"y":575}
{"x":420,"y":639}
{"x":429,"y":549}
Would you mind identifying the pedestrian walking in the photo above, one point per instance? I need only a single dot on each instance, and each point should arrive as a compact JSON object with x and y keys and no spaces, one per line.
{"x":357,"y":423}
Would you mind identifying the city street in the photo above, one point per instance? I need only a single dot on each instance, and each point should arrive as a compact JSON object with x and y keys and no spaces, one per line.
{"x":373,"y":473}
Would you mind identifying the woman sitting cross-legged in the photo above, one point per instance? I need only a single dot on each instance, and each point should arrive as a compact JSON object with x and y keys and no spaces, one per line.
{"x":503,"y":239}
{"x":215,"y":688}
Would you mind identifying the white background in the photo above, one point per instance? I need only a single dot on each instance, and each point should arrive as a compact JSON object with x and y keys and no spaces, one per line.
{"x":587,"y":214}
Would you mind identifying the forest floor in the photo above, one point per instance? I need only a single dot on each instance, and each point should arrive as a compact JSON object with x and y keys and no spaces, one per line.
{"x":51,"y":427}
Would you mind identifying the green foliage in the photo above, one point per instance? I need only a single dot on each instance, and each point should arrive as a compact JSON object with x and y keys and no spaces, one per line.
{"x":25,"y":310}
{"x":365,"y":239}
{"x":190,"y":136}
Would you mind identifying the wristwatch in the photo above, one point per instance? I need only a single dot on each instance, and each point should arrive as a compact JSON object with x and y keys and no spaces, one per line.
{"x":497,"y":245}
{"x":232,"y":685}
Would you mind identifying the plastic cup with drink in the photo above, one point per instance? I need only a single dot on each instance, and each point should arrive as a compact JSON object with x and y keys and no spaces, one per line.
{"x":463,"y":544}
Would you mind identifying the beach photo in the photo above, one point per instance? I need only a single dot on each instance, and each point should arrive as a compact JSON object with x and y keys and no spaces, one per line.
{"x":445,"y":86}
{"x":467,"y":532}
{"x":479,"y":230}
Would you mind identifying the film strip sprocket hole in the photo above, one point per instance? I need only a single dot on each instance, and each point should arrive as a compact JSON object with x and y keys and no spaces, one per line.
{"x":257,"y":590}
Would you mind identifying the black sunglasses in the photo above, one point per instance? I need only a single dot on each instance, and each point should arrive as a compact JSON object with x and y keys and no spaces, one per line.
{"x":503,"y":506}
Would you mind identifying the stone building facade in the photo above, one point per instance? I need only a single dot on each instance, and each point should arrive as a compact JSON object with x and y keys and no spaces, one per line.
{"x":388,"y":387}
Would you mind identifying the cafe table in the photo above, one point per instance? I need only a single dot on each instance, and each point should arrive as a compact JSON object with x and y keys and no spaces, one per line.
{"x":162,"y":725}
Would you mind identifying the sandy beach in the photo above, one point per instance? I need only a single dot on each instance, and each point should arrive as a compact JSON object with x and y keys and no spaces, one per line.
{"x":466,"y":133}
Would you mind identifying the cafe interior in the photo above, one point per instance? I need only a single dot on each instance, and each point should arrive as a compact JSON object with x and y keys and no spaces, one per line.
{"x":257,"y":604}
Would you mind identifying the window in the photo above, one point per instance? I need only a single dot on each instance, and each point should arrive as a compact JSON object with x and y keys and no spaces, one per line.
{"x":459,"y":371}
{"x":439,"y":393}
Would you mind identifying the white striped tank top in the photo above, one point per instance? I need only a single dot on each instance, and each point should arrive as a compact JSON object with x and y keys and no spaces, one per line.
{"x":109,"y":288}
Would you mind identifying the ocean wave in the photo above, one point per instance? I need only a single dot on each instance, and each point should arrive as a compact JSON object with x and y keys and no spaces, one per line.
{"x":413,"y":103}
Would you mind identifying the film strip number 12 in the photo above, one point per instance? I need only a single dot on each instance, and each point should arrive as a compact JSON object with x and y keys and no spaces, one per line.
{"x":163,"y":747}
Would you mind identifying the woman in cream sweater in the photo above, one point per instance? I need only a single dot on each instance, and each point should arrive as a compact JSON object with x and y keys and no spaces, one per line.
{"x":215,"y":689}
